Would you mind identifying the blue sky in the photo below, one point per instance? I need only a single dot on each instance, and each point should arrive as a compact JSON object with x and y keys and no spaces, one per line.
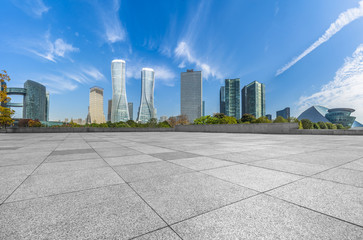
{"x":306,"y":51}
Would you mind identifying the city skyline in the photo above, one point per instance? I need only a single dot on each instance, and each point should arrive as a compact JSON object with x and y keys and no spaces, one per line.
{"x":305,"y":52}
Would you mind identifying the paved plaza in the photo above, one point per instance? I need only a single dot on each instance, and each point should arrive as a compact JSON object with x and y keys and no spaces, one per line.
{"x":176,"y":185}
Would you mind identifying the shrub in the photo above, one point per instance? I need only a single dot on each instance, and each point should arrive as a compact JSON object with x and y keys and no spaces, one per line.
{"x":23,"y":122}
{"x":261,"y":120}
{"x":228,"y":120}
{"x":331,"y":126}
{"x":306,"y":124}
{"x":293,"y":120}
{"x":322,"y":125}
{"x":200,"y":121}
{"x":164,"y":124}
{"x":132,"y":123}
{"x":247,"y":118}
{"x":316,"y":126}
{"x":340,"y":126}
{"x":34,"y":123}
{"x":280,"y":119}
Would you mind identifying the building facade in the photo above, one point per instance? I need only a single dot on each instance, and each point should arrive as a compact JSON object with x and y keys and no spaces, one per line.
{"x":285,"y":113}
{"x":203,"y":109}
{"x":222,"y":103}
{"x":163,"y":118}
{"x":146,"y":109}
{"x":191,"y":87}
{"x":47,"y":107}
{"x":95,"y":110}
{"x":232,"y":98}
{"x":269,"y":116}
{"x":131,"y":110}
{"x":35,"y":101}
{"x":119,"y":111}
{"x":109,"y":109}
{"x":253,"y":99}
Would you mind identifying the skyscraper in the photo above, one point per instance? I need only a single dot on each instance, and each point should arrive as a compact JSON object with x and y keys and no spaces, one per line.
{"x":232,"y":98}
{"x":120,"y":111}
{"x":47,"y":107}
{"x":253,"y":99}
{"x":146,"y":109}
{"x":109,"y":109}
{"x":95,"y":110}
{"x":191,"y":94}
{"x":203,"y":108}
{"x":35,"y":101}
{"x":222,"y":101}
{"x":131,"y":110}
{"x":285,"y":113}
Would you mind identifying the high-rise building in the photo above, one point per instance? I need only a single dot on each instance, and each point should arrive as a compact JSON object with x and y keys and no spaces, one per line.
{"x":120,"y":111}
{"x":191,"y":88}
{"x":285,"y":113}
{"x":232,"y":98}
{"x":253,"y":99}
{"x":203,"y":108}
{"x":269,"y":116}
{"x":146,"y":109}
{"x":47,"y":107}
{"x":95,"y":110}
{"x":222,"y":101}
{"x":109,"y":109}
{"x":131,"y":110}
{"x":35,"y":101}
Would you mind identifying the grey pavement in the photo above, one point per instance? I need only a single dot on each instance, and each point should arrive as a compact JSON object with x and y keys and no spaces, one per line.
{"x":177,"y":185}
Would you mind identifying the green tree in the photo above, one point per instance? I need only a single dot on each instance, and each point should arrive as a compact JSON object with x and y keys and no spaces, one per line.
{"x":306,"y":124}
{"x":322,"y":125}
{"x":247,"y":118}
{"x":201,"y":120}
{"x":228,"y":120}
{"x":340,"y":126}
{"x":316,"y":126}
{"x":293,"y":120}
{"x":331,"y":126}
{"x":280,"y":119}
{"x":5,"y":112}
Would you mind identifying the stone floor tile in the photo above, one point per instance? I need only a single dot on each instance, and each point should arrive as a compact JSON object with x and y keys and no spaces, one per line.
{"x":263,"y":217}
{"x":202,"y":163}
{"x":343,"y":175}
{"x":173,"y":155}
{"x":113,"y":212}
{"x":338,"y":200}
{"x":162,"y":234}
{"x":180,"y":197}
{"x":133,"y":159}
{"x":68,"y":166}
{"x":256,"y":178}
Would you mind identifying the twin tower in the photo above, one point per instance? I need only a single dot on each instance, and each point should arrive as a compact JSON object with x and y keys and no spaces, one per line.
{"x":120,"y":109}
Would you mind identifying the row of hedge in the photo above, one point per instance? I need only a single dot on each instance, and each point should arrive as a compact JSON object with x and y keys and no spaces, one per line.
{"x":220,"y":118}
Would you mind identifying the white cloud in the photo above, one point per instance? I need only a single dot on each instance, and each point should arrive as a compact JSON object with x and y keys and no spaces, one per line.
{"x":344,"y":19}
{"x":183,"y":52}
{"x":51,"y":50}
{"x":34,"y":8}
{"x":346,"y":90}
{"x":114,"y":31}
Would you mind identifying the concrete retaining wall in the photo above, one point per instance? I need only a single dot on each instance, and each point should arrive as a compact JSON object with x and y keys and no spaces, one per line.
{"x":275,"y":128}
{"x":80,"y":130}
{"x":263,"y":128}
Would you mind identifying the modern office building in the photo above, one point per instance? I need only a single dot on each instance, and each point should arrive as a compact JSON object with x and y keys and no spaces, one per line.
{"x":253,"y":99}
{"x":203,"y":108}
{"x":269,"y":116}
{"x":191,"y":87}
{"x":120,"y":111}
{"x":222,"y":103}
{"x":146,"y":109}
{"x":47,"y":107}
{"x":285,"y":113}
{"x":131,"y":110}
{"x":35,"y":101}
{"x":95,"y":110}
{"x":109,"y":109}
{"x":334,"y":115}
{"x":232,"y":98}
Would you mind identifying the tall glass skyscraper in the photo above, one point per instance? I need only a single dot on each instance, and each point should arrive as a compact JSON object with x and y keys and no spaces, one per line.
{"x":285,"y":113}
{"x":222,"y":101}
{"x":120,"y":110}
{"x":35,"y":101}
{"x":253,"y":99}
{"x":191,"y":94}
{"x":232,"y":98}
{"x":146,"y":109}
